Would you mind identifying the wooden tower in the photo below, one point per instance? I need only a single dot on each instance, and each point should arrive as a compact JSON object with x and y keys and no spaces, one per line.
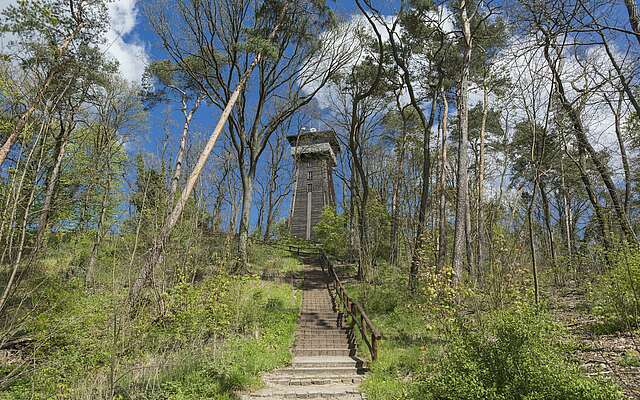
{"x":314,"y":153}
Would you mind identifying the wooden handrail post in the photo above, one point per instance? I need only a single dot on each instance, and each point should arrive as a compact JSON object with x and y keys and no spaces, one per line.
{"x":374,"y":346}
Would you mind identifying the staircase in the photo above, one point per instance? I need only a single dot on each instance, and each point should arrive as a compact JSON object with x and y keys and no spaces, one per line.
{"x":324,"y":363}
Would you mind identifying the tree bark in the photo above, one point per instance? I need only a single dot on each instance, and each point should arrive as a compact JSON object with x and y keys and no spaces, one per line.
{"x":547,"y":220}
{"x":480,"y":200}
{"x":183,"y":144}
{"x":462,"y":174}
{"x":91,"y":266}
{"x":442,"y":180}
{"x":623,"y":152}
{"x":52,"y":181}
{"x":245,"y":213}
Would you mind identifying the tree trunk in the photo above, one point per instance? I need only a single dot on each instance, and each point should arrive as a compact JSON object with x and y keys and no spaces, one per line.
{"x":245,"y":213}
{"x":623,"y":153}
{"x":395,"y":201}
{"x":424,"y":193}
{"x":12,"y":283}
{"x":547,"y":220}
{"x":532,"y":246}
{"x":52,"y":181}
{"x":480,"y":200}
{"x":183,"y":144}
{"x":462,"y":174}
{"x":567,"y":210}
{"x":91,"y":266}
{"x":442,"y":214}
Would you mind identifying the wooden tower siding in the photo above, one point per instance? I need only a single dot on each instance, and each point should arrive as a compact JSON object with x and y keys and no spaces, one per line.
{"x":314,"y":155}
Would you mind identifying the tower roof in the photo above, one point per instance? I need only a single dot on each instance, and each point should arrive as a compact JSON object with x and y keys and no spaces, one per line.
{"x":315,"y":137}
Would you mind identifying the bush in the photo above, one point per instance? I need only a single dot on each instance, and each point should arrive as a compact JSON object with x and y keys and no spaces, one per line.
{"x":513,"y":354}
{"x":332,"y":232}
{"x":616,"y":294}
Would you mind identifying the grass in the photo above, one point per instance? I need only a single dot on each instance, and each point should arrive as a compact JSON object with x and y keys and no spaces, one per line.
{"x":216,"y":335}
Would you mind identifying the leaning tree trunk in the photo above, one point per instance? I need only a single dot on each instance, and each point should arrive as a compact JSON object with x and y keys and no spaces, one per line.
{"x":158,"y":247}
{"x":13,"y":276}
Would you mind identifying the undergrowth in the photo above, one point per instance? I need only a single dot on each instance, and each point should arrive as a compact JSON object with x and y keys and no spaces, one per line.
{"x":214,"y":336}
{"x":434,"y":349}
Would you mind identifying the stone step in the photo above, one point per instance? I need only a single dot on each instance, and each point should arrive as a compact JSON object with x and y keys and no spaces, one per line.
{"x":322,"y":367}
{"x":314,"y":380}
{"x":310,"y":322}
{"x":335,"y":392}
{"x":305,"y":371}
{"x":323,"y":351}
{"x":318,"y":317}
{"x":313,"y":343}
{"x":322,"y":331}
{"x":319,"y":321}
{"x":315,"y":362}
{"x":329,"y":313}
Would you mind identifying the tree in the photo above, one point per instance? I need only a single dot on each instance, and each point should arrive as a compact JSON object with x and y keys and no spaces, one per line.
{"x":52,"y":37}
{"x":462,"y":173}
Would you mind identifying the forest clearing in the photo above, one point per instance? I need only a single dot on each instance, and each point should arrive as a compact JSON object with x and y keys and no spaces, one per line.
{"x":285,"y":199}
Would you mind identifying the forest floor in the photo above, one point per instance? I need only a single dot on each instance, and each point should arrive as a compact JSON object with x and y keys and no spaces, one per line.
{"x":614,"y":355}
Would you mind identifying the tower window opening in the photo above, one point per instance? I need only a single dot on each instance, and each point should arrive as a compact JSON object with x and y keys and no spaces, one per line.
{"x":309,"y":187}
{"x":310,"y":175}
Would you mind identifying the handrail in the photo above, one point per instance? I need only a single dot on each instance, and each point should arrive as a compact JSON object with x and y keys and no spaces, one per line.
{"x":354,"y":310}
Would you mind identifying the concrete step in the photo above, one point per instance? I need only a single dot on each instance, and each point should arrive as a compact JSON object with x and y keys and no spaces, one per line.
{"x":338,"y":343}
{"x":314,"y":380}
{"x":315,"y":362}
{"x":304,"y":372}
{"x":322,"y":331}
{"x":323,"y":351}
{"x":335,"y":392}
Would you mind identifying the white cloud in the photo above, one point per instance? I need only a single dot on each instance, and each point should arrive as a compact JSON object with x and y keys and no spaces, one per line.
{"x":121,"y":44}
{"x":129,"y":51}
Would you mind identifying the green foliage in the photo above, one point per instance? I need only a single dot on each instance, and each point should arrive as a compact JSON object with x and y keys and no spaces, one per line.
{"x":332,"y":232}
{"x":214,"y":337}
{"x":515,"y":352}
{"x":272,"y":261}
{"x":512,"y":354}
{"x":616,"y":294}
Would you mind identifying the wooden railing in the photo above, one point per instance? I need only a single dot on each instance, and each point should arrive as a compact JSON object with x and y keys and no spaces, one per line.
{"x":357,"y":317}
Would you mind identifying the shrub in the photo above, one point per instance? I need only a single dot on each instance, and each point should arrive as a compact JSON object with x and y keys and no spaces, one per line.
{"x":616,"y":294}
{"x":332,"y":232}
{"x":513,"y":354}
